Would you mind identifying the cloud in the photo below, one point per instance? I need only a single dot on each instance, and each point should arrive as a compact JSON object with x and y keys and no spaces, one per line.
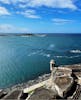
{"x":22,"y":6}
{"x":61,"y":21}
{"x":25,"y":4}
{"x":53,"y":3}
{"x":4,"y":11}
{"x":30,"y":14}
{"x":7,"y":28}
{"x":5,"y":1}
{"x":47,"y":3}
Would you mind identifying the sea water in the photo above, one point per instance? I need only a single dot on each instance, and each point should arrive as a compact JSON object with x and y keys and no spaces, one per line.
{"x":25,"y":58}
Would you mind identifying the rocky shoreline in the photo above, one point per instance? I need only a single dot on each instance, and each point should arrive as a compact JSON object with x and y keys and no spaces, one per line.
{"x":34,"y":81}
{"x":76,"y":68}
{"x":27,"y":84}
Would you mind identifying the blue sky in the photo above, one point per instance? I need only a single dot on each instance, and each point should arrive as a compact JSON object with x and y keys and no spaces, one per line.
{"x":40,"y":16}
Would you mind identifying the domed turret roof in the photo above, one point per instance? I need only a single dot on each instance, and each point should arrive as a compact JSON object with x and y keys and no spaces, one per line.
{"x":52,"y":61}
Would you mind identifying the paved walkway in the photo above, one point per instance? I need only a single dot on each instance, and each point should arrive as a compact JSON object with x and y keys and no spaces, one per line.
{"x":31,"y":88}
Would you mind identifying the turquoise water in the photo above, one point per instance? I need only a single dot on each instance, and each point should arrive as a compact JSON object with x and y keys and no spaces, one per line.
{"x":25,"y":58}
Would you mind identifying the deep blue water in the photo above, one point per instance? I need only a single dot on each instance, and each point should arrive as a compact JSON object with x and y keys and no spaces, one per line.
{"x":25,"y":58}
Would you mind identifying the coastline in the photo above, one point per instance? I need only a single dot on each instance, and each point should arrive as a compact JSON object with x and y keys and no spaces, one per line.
{"x":29,"y":83}
{"x":19,"y":89}
{"x":21,"y":86}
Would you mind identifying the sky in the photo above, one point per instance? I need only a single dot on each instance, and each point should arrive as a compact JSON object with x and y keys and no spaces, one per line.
{"x":40,"y":16}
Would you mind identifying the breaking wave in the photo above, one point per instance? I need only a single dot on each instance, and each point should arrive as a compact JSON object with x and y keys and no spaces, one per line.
{"x":40,"y":53}
{"x":75,"y":51}
{"x":68,"y":57}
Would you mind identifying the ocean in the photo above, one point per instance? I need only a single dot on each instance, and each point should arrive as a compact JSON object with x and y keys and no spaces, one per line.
{"x":23,"y":58}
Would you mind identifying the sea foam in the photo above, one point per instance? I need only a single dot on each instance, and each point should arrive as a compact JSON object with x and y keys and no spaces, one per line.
{"x":75,"y":51}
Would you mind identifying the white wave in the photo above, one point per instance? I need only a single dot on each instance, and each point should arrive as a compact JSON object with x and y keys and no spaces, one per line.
{"x":59,"y":56}
{"x":48,"y":55}
{"x":33,"y":53}
{"x":44,"y":54}
{"x":75,"y":51}
{"x":38,"y":52}
{"x":67,"y":56}
{"x":51,"y":46}
{"x":74,"y":56}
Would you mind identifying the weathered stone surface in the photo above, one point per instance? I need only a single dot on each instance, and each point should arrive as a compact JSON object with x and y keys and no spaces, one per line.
{"x":13,"y":95}
{"x":63,"y":85}
{"x":42,"y":94}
